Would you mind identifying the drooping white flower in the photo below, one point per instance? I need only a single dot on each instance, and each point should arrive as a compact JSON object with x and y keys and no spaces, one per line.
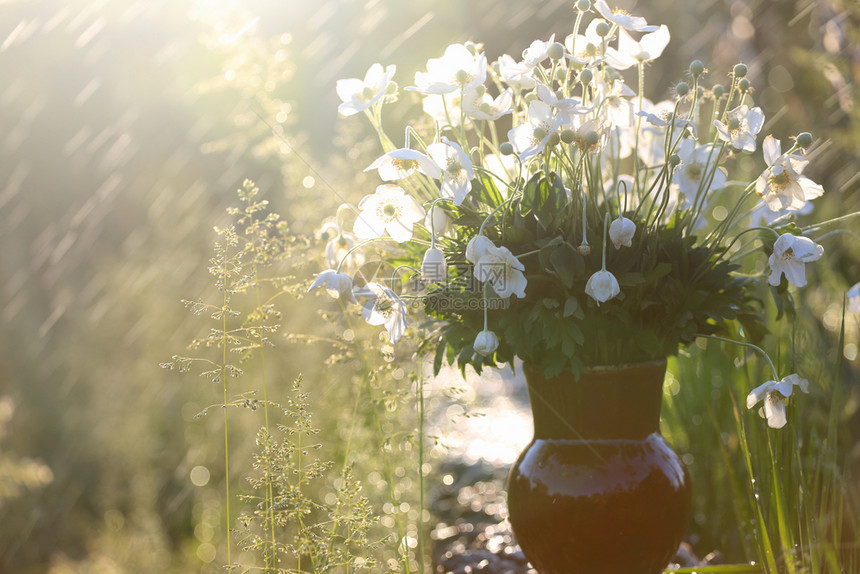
{"x":790,"y":255}
{"x":516,"y":74}
{"x":781,"y":186}
{"x":530,"y":138}
{"x":602,"y":286}
{"x":401,"y":163}
{"x":631,"y":53}
{"x":584,"y":129}
{"x":695,"y":166}
{"x":337,"y":248}
{"x":458,"y":69}
{"x":487,"y":108}
{"x":854,"y":298}
{"x":774,"y":394}
{"x":335,"y":284}
{"x":358,"y":95}
{"x":742,"y":125}
{"x":434,"y":268}
{"x":503,"y":168}
{"x":621,"y":232}
{"x":388,"y":209}
{"x":437,"y":221}
{"x":384,"y":307}
{"x":486,"y":343}
{"x":477,"y":248}
{"x":504,"y":272}
{"x":457,"y":172}
{"x":624,"y":19}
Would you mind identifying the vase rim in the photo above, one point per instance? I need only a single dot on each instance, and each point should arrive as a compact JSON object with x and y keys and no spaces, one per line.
{"x":611,"y":368}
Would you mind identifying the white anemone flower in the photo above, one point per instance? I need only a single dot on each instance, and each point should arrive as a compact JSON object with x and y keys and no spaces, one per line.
{"x":781,"y":186}
{"x":615,"y":107}
{"x":335,"y":284}
{"x":621,"y":232}
{"x":585,"y":50}
{"x":516,"y":74}
{"x":487,"y":108}
{"x":358,"y":95}
{"x":624,"y":19}
{"x":854,"y":299}
{"x":694,"y":167}
{"x":537,"y":52}
{"x":458,"y":69}
{"x":570,"y":106}
{"x":434,"y":268}
{"x":631,"y":53}
{"x":389,"y":209}
{"x":457,"y":171}
{"x":384,"y":308}
{"x":742,"y":125}
{"x":486,"y":343}
{"x":790,"y":255}
{"x":504,"y":272}
{"x":337,"y":248}
{"x":774,"y":394}
{"x":444,"y":109}
{"x":477,"y":247}
{"x":602,"y":286}
{"x":401,"y":163}
{"x":530,"y":138}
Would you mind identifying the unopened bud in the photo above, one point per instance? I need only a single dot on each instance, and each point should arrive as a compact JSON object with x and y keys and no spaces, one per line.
{"x":740,"y":70}
{"x":554,"y":139}
{"x":602,"y":29}
{"x":567,"y":136}
{"x":718,"y":91}
{"x":586,"y":76}
{"x":471,"y":47}
{"x":744,"y":85}
{"x":682,"y":89}
{"x":583,"y":5}
{"x":804,"y":140}
{"x":674,"y":160}
{"x":592,"y":137}
{"x":506,"y":148}
{"x":555,"y":51}
{"x":697,"y":68}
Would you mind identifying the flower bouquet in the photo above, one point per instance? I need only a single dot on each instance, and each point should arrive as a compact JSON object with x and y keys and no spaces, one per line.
{"x":543,"y":208}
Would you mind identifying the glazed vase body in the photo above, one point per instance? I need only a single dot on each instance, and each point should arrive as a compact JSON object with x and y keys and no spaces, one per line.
{"x":598,"y":490}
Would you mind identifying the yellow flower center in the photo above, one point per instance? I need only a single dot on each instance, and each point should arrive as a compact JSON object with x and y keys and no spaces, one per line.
{"x":388,"y":212}
{"x":405,"y":164}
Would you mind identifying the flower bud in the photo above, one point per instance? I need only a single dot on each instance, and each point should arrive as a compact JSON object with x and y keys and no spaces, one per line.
{"x":560,"y":74}
{"x":682,"y":89}
{"x":740,"y":70}
{"x":555,"y":51}
{"x":568,"y":135}
{"x":506,"y":148}
{"x":471,"y":47}
{"x":486,"y":343}
{"x":434,"y":268}
{"x":437,"y":220}
{"x":804,"y":140}
{"x":462,"y":76}
{"x":602,"y":29}
{"x":744,"y":85}
{"x":697,"y":68}
{"x":584,"y":248}
{"x":602,"y":286}
{"x":592,"y":137}
{"x":586,"y":76}
{"x":621,"y":232}
{"x":530,"y":97}
{"x":553,"y":139}
{"x":539,"y":133}
{"x":583,"y":5}
{"x":674,"y":159}
{"x":480,"y":89}
{"x":718,"y":91}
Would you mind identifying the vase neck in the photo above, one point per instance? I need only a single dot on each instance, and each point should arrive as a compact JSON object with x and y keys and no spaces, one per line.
{"x":605,"y":403}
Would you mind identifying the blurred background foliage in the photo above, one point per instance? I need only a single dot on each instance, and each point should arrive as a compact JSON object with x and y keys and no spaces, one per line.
{"x":127,"y":126}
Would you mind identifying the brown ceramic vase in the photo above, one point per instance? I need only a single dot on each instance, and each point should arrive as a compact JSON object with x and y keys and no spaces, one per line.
{"x":598,"y":490}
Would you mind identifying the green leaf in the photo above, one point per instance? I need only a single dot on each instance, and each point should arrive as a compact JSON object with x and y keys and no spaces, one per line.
{"x":534,"y":194}
{"x":563,"y":261}
{"x":484,"y":190}
{"x":570,"y":306}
